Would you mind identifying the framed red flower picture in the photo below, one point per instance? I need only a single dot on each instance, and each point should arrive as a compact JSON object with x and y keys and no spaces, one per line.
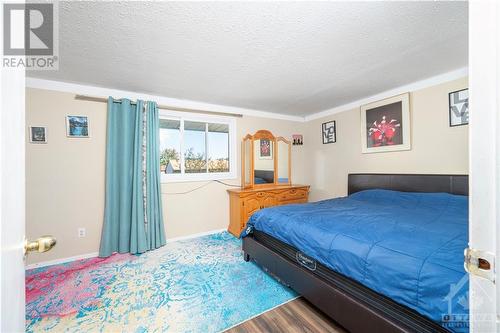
{"x":385,"y":125}
{"x":265,"y":149}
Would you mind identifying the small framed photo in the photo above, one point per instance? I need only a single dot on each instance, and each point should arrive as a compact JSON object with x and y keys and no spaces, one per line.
{"x":297,"y":139}
{"x":265,"y":149}
{"x":385,"y":125}
{"x":77,"y":126}
{"x":38,"y":134}
{"x":329,"y":131}
{"x":459,"y":107}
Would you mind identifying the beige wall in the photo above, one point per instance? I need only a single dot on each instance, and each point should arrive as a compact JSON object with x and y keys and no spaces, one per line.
{"x":65,"y":178}
{"x":436,"y":147}
{"x":208,"y":208}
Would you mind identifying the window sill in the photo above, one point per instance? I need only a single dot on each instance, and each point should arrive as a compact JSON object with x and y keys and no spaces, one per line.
{"x":199,"y":177}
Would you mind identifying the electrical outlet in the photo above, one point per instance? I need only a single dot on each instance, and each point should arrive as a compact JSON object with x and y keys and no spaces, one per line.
{"x":82,"y":232}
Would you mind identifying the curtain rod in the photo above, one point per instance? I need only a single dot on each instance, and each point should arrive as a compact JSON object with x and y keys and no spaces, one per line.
{"x":162,"y":107}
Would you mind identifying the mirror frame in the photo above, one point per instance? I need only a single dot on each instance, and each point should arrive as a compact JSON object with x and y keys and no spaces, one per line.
{"x":243,"y":174}
{"x":264,"y":134}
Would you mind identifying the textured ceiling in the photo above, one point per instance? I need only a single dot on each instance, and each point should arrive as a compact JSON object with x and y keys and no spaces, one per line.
{"x":294,"y":58}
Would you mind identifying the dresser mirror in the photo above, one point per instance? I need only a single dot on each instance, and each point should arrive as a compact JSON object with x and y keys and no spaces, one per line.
{"x":283,"y":171}
{"x":266,"y":160}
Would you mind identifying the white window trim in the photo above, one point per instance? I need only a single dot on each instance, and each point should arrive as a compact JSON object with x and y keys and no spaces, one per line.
{"x":193,"y":177}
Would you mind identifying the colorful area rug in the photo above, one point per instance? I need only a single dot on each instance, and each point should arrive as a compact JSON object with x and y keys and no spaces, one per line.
{"x":196,"y":285}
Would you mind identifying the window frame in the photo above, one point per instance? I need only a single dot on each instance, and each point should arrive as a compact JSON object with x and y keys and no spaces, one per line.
{"x":192,"y":177}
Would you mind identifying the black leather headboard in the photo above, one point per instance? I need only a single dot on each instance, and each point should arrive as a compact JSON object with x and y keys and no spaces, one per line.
{"x":454,"y":184}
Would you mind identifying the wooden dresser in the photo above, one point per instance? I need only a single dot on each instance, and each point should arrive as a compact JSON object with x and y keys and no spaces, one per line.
{"x":244,"y":202}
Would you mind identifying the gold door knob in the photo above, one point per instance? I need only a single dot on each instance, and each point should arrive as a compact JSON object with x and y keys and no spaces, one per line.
{"x":42,"y":244}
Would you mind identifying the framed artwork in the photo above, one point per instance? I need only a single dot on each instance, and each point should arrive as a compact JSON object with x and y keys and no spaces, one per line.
{"x":329,"y":131}
{"x":297,"y":140}
{"x":385,"y":125}
{"x":265,"y":149}
{"x":77,"y":126}
{"x":459,"y":107}
{"x":38,"y":134}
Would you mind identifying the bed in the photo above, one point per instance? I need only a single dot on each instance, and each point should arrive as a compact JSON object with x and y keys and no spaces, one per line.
{"x":386,"y":258}
{"x":263,"y":176}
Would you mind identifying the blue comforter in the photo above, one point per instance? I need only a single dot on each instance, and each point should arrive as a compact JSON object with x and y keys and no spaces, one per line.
{"x":407,"y":246}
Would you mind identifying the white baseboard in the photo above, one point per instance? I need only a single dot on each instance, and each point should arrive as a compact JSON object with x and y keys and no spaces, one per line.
{"x":95,"y":254}
{"x":62,"y":260}
{"x":200,"y":234}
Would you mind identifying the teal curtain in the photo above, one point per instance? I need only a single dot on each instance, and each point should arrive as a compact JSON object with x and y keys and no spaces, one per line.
{"x":133,"y":219}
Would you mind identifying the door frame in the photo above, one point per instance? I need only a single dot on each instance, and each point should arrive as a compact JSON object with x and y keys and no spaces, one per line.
{"x":484,"y":159}
{"x":12,"y":195}
{"x":12,"y":200}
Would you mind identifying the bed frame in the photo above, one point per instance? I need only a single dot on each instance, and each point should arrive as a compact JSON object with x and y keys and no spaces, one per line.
{"x":352,"y":305}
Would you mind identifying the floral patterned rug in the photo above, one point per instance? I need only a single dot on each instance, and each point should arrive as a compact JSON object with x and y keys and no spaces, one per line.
{"x":195,"y":285}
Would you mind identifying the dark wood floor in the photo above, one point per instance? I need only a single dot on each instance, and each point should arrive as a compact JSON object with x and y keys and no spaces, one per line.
{"x":297,"y":316}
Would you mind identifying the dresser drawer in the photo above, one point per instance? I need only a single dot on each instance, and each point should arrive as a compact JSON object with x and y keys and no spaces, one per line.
{"x":293,"y":194}
{"x":290,"y":202}
{"x":245,"y":202}
{"x":250,"y":205}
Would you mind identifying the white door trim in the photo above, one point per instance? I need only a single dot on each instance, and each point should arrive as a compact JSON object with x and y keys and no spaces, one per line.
{"x":484,"y":147}
{"x":12,"y":208}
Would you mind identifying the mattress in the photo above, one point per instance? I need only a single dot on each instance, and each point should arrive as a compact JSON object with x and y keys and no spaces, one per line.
{"x":406,"y":246}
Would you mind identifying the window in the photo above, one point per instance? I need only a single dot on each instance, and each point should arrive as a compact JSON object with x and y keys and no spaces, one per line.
{"x":170,"y":145}
{"x":218,"y":150}
{"x":196,"y":147}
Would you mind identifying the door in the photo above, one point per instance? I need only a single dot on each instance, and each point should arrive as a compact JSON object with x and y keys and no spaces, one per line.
{"x":269,"y":201}
{"x":12,"y":138}
{"x":484,"y":133}
{"x":250,"y":205}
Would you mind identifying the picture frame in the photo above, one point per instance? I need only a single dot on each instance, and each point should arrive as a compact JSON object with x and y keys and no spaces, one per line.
{"x":329,"y":132}
{"x":38,"y":134}
{"x":265,"y":149}
{"x":77,"y":126}
{"x":385,"y":125}
{"x":297,"y":140}
{"x":458,"y":107}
